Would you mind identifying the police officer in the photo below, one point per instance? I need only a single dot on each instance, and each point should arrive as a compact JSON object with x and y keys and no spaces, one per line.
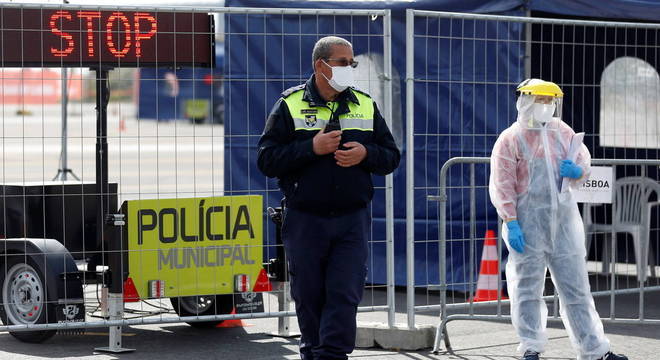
{"x":323,"y":140}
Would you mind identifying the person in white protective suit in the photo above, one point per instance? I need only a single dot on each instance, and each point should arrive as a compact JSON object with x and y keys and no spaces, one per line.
{"x":543,"y":225}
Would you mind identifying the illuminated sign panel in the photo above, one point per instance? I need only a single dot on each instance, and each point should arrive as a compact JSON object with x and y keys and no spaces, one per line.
{"x":90,"y":38}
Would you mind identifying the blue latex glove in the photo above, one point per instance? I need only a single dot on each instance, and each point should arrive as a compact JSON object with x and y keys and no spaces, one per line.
{"x":570,"y":169}
{"x":516,"y":237}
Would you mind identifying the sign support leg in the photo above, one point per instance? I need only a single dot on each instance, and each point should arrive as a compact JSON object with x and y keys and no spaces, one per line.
{"x":283,"y":304}
{"x":116,"y":309}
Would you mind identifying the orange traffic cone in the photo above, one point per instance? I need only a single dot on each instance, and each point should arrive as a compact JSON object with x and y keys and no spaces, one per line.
{"x":488,"y":274}
{"x":232,"y":323}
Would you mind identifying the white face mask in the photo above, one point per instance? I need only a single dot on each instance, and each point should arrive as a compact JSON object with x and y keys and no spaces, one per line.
{"x":342,"y":77}
{"x":543,"y":112}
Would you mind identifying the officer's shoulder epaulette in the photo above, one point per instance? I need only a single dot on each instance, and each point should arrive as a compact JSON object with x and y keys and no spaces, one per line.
{"x":361,"y":92}
{"x":291,"y":90}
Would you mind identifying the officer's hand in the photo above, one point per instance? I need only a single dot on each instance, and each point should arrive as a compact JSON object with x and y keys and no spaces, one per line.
{"x":326,"y":143}
{"x":354,"y":154}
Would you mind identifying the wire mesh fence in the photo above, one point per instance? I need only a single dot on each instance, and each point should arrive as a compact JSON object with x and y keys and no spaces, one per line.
{"x":160,"y":124}
{"x":462,"y":72}
{"x":130,"y":188}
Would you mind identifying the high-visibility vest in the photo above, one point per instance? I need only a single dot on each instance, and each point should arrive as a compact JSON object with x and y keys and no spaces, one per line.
{"x":306,"y":118}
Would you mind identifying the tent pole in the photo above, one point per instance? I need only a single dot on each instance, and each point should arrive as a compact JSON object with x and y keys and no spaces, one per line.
{"x":528,"y":46}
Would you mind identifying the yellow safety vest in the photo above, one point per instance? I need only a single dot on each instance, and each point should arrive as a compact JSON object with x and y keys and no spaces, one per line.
{"x":305,"y":117}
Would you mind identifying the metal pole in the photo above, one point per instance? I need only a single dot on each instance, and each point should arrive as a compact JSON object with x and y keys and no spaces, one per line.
{"x":473,"y":220}
{"x":389,"y":179}
{"x":102,"y":191}
{"x":283,"y":305}
{"x":116,"y":309}
{"x":410,"y":184}
{"x":547,"y":298}
{"x":284,"y":298}
{"x":281,"y":283}
{"x":167,"y":320}
{"x":115,"y":293}
{"x":64,"y":154}
{"x":613,"y":251}
{"x":64,"y":161}
{"x":442,"y":197}
{"x":65,"y":102}
{"x":499,"y":266}
{"x":528,"y":46}
{"x":106,"y":234}
{"x":204,"y":9}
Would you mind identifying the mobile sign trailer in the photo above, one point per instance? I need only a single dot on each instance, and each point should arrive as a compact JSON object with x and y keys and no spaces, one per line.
{"x":196,"y":251}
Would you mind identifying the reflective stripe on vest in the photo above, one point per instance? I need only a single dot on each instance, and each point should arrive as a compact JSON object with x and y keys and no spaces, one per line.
{"x":360,"y":117}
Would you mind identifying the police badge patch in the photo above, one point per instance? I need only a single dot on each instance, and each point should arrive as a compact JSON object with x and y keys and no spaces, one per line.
{"x":310,"y":120}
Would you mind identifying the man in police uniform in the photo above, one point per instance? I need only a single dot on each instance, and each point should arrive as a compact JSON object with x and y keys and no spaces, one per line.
{"x":323,"y":140}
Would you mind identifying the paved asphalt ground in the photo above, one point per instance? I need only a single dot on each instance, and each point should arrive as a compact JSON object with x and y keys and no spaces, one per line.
{"x":474,"y":340}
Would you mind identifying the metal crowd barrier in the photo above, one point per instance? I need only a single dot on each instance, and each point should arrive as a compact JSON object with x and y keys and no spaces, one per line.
{"x":470,"y":306}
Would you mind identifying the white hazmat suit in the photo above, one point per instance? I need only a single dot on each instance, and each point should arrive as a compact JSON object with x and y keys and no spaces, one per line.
{"x":524,"y":185}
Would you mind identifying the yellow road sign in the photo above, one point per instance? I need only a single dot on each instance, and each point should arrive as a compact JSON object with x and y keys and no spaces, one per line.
{"x":194,"y":245}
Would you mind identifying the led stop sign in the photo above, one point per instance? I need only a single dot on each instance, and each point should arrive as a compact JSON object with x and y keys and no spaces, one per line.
{"x":92,"y":38}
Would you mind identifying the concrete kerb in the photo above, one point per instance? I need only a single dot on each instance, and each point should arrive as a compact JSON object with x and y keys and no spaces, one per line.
{"x":400,"y":337}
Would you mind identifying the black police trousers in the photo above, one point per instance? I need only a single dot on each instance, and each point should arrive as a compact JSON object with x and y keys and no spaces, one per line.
{"x":327,"y":258}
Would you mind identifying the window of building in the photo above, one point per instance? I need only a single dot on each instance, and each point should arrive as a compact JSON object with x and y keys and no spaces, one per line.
{"x":630,"y":105}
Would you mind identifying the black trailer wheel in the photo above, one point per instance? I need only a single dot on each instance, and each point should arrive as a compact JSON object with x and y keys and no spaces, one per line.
{"x":24,"y":299}
{"x":202,"y":305}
